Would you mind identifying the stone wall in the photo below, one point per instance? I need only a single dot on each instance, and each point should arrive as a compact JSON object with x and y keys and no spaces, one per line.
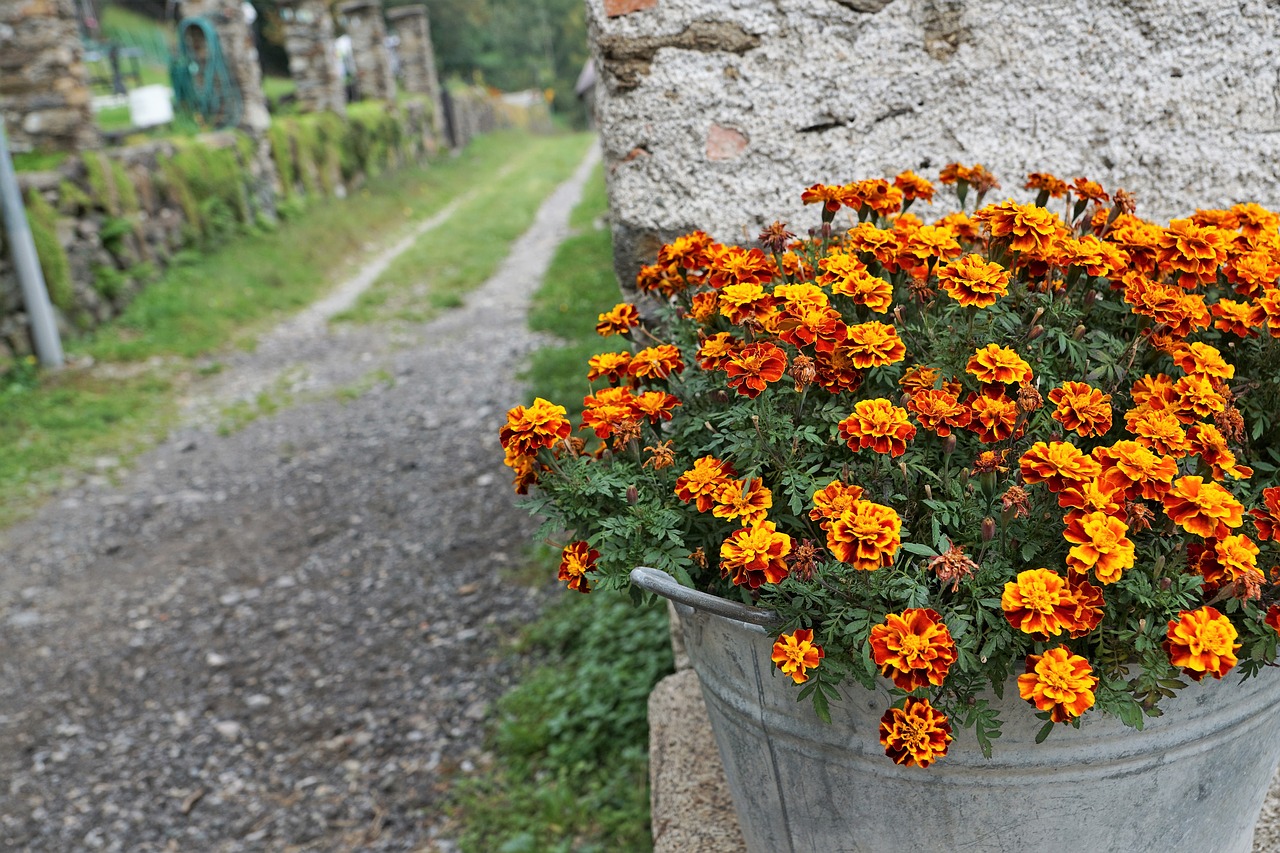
{"x":363,"y":21}
{"x":241,"y":55}
{"x":716,"y":115}
{"x":44,"y":87}
{"x":108,"y":222}
{"x":308,"y":39}
{"x":417,"y":56}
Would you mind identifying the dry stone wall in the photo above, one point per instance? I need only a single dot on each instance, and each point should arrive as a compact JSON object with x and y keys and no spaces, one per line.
{"x":716,"y":114}
{"x":44,"y":88}
{"x":368,"y":32}
{"x":313,"y":60}
{"x":417,"y":56}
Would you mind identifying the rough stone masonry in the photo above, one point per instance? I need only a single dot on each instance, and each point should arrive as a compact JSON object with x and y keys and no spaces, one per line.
{"x":44,"y":87}
{"x":716,"y":115}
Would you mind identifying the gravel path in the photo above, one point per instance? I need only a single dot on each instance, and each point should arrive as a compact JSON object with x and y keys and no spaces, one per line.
{"x":287,"y":638}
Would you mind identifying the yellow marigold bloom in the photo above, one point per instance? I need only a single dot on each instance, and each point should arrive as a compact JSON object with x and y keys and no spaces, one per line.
{"x":1057,"y":463}
{"x":701,"y":482}
{"x":874,"y":345}
{"x":796,"y":653}
{"x":1205,"y":509}
{"x":994,"y":363}
{"x":747,"y":502}
{"x":655,"y":406}
{"x":995,"y":415}
{"x":747,"y":299}
{"x":1158,"y":429}
{"x":913,"y":186}
{"x":866,"y":536}
{"x":751,"y":368}
{"x":1237,"y":555}
{"x":1236,"y":318}
{"x":883,"y":244}
{"x":608,"y":365}
{"x":529,"y":429}
{"x":576,"y":561}
{"x":973,"y":281}
{"x":961,"y":225}
{"x":688,"y":251}
{"x":1202,"y":642}
{"x":1204,"y":360}
{"x":914,"y":648}
{"x":917,"y":378}
{"x":618,"y":320}
{"x":805,"y":293}
{"x":833,"y":499}
{"x":1197,"y":398}
{"x":939,"y":411}
{"x":1038,"y":602}
{"x":915,"y":735}
{"x":865,"y":289}
{"x":1028,"y":228}
{"x":1059,"y":682}
{"x":1131,"y":468}
{"x":755,"y":555}
{"x":1094,"y":256}
{"x":656,"y":362}
{"x":1081,"y":408}
{"x":1194,"y":251}
{"x":930,"y":241}
{"x":1101,"y":545}
{"x":877,"y":424}
{"x":1155,"y":392}
{"x":1082,"y":498}
{"x":1208,"y":442}
{"x":1046,"y":183}
{"x":715,"y":351}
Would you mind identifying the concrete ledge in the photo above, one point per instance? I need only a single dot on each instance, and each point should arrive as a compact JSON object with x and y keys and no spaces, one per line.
{"x":689,"y":797}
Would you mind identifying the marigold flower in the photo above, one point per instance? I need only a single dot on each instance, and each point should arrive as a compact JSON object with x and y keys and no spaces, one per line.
{"x":1092,"y":255}
{"x":1089,"y":496}
{"x":914,"y":648}
{"x":1046,"y":183}
{"x":666,"y":279}
{"x":1082,"y":408}
{"x":715,"y":351}
{"x":526,"y":467}
{"x":915,"y":735}
{"x":1205,"y":509}
{"x":833,"y":499}
{"x":1273,"y":618}
{"x":995,"y":415}
{"x":913,"y":186}
{"x":952,"y":566}
{"x":1038,"y":602}
{"x":1208,"y":442}
{"x":753,"y":367}
{"x":618,"y":320}
{"x":529,"y":429}
{"x":835,"y":370}
{"x":973,"y":281}
{"x":1059,"y":682}
{"x":1089,"y":606}
{"x":866,"y":536}
{"x":1252,"y":271}
{"x":1087,"y":190}
{"x":928,"y":242}
{"x":1100,"y":544}
{"x":796,"y":653}
{"x":1236,"y":318}
{"x":1195,"y":251}
{"x":688,"y":251}
{"x":775,"y":237}
{"x":877,"y":424}
{"x":1158,"y":429}
{"x":655,"y":405}
{"x":1197,"y":398}
{"x":747,"y":502}
{"x":656,"y":362}
{"x":939,"y":411}
{"x":735,"y":265}
{"x":865,"y":289}
{"x":1202,"y":359}
{"x":803,"y":372}
{"x":881,"y":243}
{"x":1059,"y":464}
{"x":1237,"y":555}
{"x":917,"y":378}
{"x":1202,"y":642}
{"x":576,"y":561}
{"x":755,"y":555}
{"x":612,"y":366}
{"x":700,"y":483}
{"x":661,"y":455}
{"x":874,"y":345}
{"x":1267,"y":521}
{"x":994,"y":363}
{"x":953,"y":173}
{"x":1029,"y":399}
{"x":607,"y":410}
{"x":875,"y":194}
{"x":1028,"y":228}
{"x":830,"y":197}
{"x":990,"y":462}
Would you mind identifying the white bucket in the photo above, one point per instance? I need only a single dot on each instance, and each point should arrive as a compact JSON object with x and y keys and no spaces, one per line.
{"x":150,"y":106}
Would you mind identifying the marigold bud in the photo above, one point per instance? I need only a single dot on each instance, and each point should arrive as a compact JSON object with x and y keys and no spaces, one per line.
{"x":1036,"y":331}
{"x":1165,"y":583}
{"x":1079,"y":332}
{"x":949,"y":446}
{"x":988,"y":529}
{"x":633,"y":495}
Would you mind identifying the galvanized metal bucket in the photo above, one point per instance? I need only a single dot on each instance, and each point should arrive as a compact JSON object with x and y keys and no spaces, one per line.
{"x":1193,"y":780}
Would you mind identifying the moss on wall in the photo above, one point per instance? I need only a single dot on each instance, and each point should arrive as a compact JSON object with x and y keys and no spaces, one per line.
{"x":53,"y":258}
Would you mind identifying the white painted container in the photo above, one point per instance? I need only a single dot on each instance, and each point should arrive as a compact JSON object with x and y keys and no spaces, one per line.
{"x":150,"y":106}
{"x":1193,"y":780}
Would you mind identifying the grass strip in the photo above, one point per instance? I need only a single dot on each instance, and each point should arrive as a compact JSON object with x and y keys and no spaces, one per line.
{"x":51,"y":423}
{"x":447,"y":262}
{"x":571,"y":740}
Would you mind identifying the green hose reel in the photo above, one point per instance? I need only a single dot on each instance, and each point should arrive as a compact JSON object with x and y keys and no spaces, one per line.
{"x":202,"y":82}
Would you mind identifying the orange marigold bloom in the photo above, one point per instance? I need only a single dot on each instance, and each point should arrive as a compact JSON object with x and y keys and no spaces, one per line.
{"x":973,"y":281}
{"x":526,"y":468}
{"x":939,"y":410}
{"x":1046,"y":183}
{"x":744,"y":300}
{"x":1089,"y":606}
{"x":1269,"y":304}
{"x":995,"y":415}
{"x":874,"y":344}
{"x":877,"y":424}
{"x":953,"y":173}
{"x":1192,"y":250}
{"x":688,"y":251}
{"x":753,"y":367}
{"x":1205,"y":509}
{"x":866,"y":536}
{"x":1082,"y":498}
{"x":715,"y":351}
{"x":1059,"y":682}
{"x":618,"y":320}
{"x":1088,"y":190}
{"x":609,"y":365}
{"x":703,"y":306}
{"x":913,"y":186}
{"x":1094,"y":256}
{"x":913,"y":648}
{"x":1252,"y":271}
{"x":1029,"y":228}
{"x":1197,"y":398}
{"x":748,"y":502}
{"x":1059,"y":464}
{"x":1208,"y":442}
{"x":1082,"y":408}
{"x":660,"y":278}
{"x":805,"y":324}
{"x":1101,"y":545}
{"x":1237,"y":555}
{"x":1236,"y":318}
{"x":529,"y":429}
{"x":994,"y":363}
{"x":929,"y":241}
{"x":917,"y":378}
{"x":865,"y":289}
{"x":833,"y":499}
{"x":915,"y":735}
{"x":576,"y":561}
{"x":655,"y":405}
{"x":1155,"y":392}
{"x":1202,"y":642}
{"x":1267,"y":521}
{"x":1039,"y":602}
{"x":1158,"y":429}
{"x":1254,"y":220}
{"x":830,"y":197}
{"x":608,"y":411}
{"x":702,"y":481}
{"x":1204,"y":360}
{"x":796,"y":653}
{"x":884,"y":245}
{"x":735,"y":265}
{"x":656,"y":362}
{"x":875,"y":194}
{"x":1132,"y":469}
{"x":756,"y":555}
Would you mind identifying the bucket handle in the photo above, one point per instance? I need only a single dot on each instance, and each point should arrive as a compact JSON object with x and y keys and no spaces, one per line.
{"x":660,"y":583}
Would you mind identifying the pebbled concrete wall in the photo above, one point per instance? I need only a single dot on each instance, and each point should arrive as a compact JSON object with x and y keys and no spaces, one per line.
{"x":717,"y":113}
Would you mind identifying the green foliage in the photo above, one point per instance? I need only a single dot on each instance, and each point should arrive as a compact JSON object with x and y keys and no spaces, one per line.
{"x":43,"y":220}
{"x":282,"y":154}
{"x":38,"y":161}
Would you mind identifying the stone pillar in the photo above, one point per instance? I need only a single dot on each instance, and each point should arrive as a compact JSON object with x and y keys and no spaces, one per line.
{"x":44,"y":87}
{"x":313,"y":61}
{"x":418,"y":57}
{"x":363,"y":21}
{"x":241,"y":54}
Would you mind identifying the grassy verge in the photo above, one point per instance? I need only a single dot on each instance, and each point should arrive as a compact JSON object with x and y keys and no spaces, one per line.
{"x":571,"y":740}
{"x":54,"y":423}
{"x":448,"y":261}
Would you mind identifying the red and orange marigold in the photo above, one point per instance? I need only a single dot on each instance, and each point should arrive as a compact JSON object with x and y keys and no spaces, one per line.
{"x":755,"y":555}
{"x":914,"y":648}
{"x":577,"y":560}
{"x":752,"y":367}
{"x":866,"y":535}
{"x":796,"y":653}
{"x":1039,"y":602}
{"x":1202,"y":642}
{"x":700,"y":483}
{"x":1205,"y":509}
{"x":973,"y":281}
{"x":1101,"y":544}
{"x":1059,"y":682}
{"x":915,"y":735}
{"x":1081,"y":408}
{"x":994,"y":363}
{"x":877,"y":424}
{"x":531,"y":428}
{"x":618,"y":320}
